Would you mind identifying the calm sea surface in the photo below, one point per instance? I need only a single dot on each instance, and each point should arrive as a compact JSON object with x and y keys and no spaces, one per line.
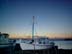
{"x":62,"y":44}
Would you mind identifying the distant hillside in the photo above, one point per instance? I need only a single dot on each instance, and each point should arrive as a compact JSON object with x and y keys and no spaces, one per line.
{"x":62,"y":39}
{"x":67,"y":39}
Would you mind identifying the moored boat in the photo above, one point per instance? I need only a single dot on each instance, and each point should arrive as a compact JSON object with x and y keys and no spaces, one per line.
{"x":35,"y":44}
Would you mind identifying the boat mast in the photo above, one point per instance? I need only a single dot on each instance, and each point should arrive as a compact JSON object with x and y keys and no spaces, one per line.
{"x":33,"y":29}
{"x":33,"y":32}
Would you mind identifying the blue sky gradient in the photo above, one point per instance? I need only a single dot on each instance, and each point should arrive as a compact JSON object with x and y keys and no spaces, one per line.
{"x":52,"y":16}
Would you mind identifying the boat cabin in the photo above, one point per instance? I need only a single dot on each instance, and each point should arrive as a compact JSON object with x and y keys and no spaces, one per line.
{"x":4,"y":38}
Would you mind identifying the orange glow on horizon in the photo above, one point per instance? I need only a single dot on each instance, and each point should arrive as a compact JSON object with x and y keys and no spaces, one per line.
{"x":49,"y":35}
{"x":62,"y":35}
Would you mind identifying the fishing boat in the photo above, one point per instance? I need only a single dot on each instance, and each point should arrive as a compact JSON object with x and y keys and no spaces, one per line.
{"x":35,"y":44}
{"x":5,"y":41}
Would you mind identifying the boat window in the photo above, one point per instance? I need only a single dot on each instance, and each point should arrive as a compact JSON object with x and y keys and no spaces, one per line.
{"x":39,"y":42}
{"x":43,"y":42}
{"x":5,"y":36}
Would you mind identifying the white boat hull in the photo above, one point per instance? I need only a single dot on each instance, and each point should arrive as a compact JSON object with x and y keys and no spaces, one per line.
{"x":26,"y":46}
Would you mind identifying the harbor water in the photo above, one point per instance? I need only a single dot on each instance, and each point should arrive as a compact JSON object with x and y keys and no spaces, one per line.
{"x":62,"y":44}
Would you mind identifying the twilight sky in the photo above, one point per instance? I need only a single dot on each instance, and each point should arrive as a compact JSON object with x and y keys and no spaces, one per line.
{"x":53,"y":18}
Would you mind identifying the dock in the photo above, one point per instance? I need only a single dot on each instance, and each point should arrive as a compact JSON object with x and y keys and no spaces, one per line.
{"x":17,"y":50}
